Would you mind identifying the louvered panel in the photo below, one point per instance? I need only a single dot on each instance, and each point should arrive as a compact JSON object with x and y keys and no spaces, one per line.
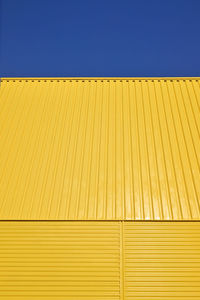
{"x":100,"y":149}
{"x":59,"y":260}
{"x":161,"y":260}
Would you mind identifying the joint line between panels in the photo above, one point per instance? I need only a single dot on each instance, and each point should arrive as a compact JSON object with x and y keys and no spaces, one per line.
{"x":122,"y":296}
{"x":100,"y":221}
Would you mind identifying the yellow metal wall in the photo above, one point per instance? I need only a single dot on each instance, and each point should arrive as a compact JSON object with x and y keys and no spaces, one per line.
{"x":59,"y":260}
{"x":162,"y":260}
{"x":99,"y":260}
{"x":100,"y":149}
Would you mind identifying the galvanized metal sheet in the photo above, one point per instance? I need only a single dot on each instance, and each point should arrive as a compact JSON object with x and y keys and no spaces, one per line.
{"x":100,"y":149}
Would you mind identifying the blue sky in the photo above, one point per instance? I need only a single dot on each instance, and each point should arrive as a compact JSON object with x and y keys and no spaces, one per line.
{"x":100,"y":38}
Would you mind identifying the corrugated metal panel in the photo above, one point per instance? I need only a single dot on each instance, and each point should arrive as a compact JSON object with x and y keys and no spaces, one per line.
{"x":100,"y":149}
{"x":59,"y":260}
{"x":162,"y":260}
{"x":99,"y":260}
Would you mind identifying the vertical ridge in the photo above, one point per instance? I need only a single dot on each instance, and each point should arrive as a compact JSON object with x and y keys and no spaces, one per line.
{"x":179,"y":207}
{"x":151,"y":204}
{"x":178,"y":145}
{"x":159,"y":215}
{"x":131,"y":155}
{"x":99,"y":149}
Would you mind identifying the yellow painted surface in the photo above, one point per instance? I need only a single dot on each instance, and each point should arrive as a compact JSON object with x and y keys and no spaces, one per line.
{"x":99,"y":260}
{"x":100,"y":149}
{"x":162,"y":260}
{"x":59,"y":260}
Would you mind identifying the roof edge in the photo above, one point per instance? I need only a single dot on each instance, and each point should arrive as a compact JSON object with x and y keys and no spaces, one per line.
{"x":99,"y":78}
